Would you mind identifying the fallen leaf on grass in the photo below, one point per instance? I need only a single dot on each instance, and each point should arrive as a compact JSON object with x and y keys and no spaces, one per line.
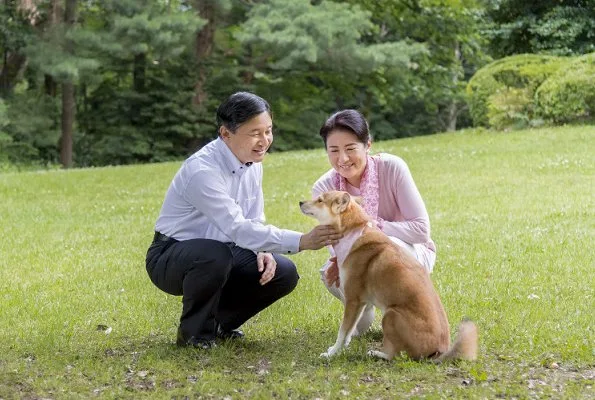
{"x":263,"y":366}
{"x":104,"y":328}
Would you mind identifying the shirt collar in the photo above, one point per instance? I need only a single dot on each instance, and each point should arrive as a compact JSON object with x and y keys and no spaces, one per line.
{"x":234,"y":166}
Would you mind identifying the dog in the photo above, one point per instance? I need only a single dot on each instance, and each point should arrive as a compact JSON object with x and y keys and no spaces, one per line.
{"x":373,"y":269}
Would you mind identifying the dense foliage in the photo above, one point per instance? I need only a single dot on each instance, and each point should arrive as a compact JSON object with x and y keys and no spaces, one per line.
{"x":529,"y":90}
{"x":560,"y":27}
{"x":569,"y":94}
{"x":126,"y":81}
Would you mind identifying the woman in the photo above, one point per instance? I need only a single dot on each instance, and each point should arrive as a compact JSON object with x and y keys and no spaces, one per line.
{"x":386,"y":186}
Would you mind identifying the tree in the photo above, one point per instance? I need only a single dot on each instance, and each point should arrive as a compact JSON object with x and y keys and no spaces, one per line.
{"x":434,"y":93}
{"x":141,"y":109}
{"x":309,"y":60}
{"x":558,"y":27}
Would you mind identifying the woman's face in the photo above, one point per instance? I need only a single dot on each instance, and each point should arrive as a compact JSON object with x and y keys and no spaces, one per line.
{"x":347,"y":155}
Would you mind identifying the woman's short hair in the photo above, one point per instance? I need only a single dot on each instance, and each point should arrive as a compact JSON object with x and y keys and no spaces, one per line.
{"x":348,"y":120}
{"x":239,"y":108}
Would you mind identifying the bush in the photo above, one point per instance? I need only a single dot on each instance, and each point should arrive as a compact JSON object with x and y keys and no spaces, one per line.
{"x":569,"y":94}
{"x":515,"y":79}
{"x":510,"y":107}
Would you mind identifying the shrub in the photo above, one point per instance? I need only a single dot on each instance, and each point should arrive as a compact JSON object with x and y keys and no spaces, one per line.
{"x":569,"y":94}
{"x":493,"y":83}
{"x":510,"y":107}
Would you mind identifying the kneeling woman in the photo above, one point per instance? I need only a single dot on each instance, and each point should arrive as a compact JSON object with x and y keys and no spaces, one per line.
{"x":386,"y":186}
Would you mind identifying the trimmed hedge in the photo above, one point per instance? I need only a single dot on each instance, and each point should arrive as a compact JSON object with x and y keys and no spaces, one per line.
{"x":501,"y":93}
{"x":527,"y":89}
{"x":569,"y":94}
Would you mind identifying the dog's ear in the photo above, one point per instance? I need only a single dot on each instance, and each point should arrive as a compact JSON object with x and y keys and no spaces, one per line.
{"x":359,"y":200}
{"x":344,"y":202}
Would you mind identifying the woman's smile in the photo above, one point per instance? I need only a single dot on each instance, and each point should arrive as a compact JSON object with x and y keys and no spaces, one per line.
{"x":347,"y":155}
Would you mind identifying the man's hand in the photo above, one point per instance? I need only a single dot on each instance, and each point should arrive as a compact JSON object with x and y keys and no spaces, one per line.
{"x":266,"y":263}
{"x":331,"y":274}
{"x":320,"y":236}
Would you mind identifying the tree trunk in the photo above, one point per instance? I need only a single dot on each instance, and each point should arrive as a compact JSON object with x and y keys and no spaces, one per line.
{"x":68,"y":101}
{"x":139,"y":70}
{"x":68,"y":115}
{"x":203,"y":46}
{"x":453,"y":107}
{"x":15,"y":62}
{"x":55,"y":16}
{"x":138,"y":73}
{"x":13,"y":66}
{"x":451,"y":123}
{"x":51,"y":88}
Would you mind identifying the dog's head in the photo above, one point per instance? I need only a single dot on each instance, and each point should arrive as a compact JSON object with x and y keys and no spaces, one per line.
{"x":330,"y":208}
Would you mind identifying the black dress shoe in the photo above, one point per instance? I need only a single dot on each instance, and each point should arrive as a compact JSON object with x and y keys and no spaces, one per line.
{"x":231,"y":335}
{"x":197,"y":343}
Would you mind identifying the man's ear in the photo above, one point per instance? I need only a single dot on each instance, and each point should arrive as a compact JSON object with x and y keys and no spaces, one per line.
{"x":223,"y":132}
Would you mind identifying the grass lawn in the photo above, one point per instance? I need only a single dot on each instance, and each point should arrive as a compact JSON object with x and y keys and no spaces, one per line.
{"x":513,"y":217}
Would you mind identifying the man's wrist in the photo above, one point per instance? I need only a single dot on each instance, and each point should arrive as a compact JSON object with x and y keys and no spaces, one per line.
{"x":304,"y":242}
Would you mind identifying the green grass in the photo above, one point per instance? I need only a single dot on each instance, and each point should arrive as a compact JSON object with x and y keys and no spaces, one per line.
{"x":513,"y":217}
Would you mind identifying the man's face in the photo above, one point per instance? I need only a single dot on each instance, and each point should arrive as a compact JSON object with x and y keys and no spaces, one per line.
{"x":251,"y":140}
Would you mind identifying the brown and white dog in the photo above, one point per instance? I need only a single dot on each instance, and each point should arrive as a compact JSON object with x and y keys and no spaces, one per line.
{"x":373,"y":269}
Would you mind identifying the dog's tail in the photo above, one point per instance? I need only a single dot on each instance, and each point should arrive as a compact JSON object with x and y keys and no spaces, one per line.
{"x":465,"y":344}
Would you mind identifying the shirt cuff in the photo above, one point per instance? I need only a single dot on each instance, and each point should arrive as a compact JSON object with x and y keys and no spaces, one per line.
{"x":291,"y":241}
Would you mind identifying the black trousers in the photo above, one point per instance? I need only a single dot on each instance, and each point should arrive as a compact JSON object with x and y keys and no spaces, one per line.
{"x":218,"y":282}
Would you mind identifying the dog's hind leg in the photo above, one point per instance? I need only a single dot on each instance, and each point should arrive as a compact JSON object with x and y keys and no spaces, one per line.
{"x":391,"y":341}
{"x":352,"y":313}
{"x":365,"y":321}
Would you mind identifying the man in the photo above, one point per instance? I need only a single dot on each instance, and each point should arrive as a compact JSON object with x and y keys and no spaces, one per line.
{"x":211,"y":244}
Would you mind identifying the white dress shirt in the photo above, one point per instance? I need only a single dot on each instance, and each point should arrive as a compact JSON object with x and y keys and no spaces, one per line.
{"x":215,"y":196}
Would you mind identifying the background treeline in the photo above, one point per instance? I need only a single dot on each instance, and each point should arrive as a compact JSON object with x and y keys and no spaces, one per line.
{"x":101,"y":82}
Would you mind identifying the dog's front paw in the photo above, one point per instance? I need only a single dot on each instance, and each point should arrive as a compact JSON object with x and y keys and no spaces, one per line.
{"x":330,"y":352}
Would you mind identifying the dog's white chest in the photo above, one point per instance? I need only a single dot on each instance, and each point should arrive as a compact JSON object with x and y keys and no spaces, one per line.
{"x":343,"y":248}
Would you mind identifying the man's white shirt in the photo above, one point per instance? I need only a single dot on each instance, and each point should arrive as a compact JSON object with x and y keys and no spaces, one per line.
{"x":215,"y":196}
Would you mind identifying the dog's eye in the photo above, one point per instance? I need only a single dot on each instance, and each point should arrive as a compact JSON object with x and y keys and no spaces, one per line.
{"x":319,"y":201}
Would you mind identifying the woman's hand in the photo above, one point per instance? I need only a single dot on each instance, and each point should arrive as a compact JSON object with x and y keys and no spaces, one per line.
{"x":267,"y":265}
{"x":320,"y":236}
{"x":331,"y":274}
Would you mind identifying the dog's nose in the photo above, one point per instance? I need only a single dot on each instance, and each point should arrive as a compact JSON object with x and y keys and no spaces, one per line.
{"x":301,"y":203}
